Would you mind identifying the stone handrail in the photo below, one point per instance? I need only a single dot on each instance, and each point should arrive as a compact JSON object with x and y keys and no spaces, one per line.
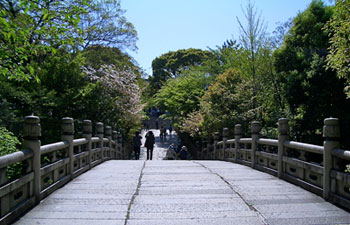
{"x":340,"y":153}
{"x":47,"y":168}
{"x":319,"y":169}
{"x":304,"y":147}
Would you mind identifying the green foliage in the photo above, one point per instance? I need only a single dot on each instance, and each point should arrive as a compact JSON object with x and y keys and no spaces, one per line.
{"x":180,"y":96}
{"x":311,"y":91}
{"x":104,"y":24}
{"x":76,"y":96}
{"x":227,"y":102}
{"x":8,"y":142}
{"x":339,"y":30}
{"x":171,"y":65}
{"x":8,"y":145}
{"x":98,"y":55}
{"x":32,"y":30}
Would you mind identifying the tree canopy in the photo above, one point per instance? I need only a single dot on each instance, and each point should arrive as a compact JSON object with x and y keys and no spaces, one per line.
{"x":170,"y":65}
{"x":339,"y":29}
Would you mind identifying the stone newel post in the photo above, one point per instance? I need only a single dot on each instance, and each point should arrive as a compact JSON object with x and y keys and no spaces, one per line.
{"x":225,"y":135}
{"x":255,"y":129}
{"x":31,"y":133}
{"x":238,"y":135}
{"x":283,"y":136}
{"x":108,"y":135}
{"x":120,"y":142}
{"x":67,"y":129}
{"x":87,"y":133}
{"x":99,"y":132}
{"x":115,"y":138}
{"x":331,"y":133}
{"x":216,"y":140}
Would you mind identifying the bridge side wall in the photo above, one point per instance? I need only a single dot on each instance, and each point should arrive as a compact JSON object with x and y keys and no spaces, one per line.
{"x":319,"y":169}
{"x":46,"y":168}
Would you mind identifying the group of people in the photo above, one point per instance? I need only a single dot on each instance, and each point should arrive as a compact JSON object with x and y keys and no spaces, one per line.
{"x":178,"y":153}
{"x":149,"y":144}
{"x":171,"y":154}
{"x":163,"y":132}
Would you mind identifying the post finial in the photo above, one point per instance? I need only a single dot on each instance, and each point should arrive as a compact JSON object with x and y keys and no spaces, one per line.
{"x":255,"y":127}
{"x":225,"y":132}
{"x":238,"y":129}
{"x":99,"y":128}
{"x":283,"y":126}
{"x":32,"y":128}
{"x":331,"y":128}
{"x":87,"y":127}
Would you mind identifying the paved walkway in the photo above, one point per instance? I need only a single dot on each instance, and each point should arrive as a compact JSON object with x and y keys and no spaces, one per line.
{"x":158,"y":192}
{"x":160,"y":147}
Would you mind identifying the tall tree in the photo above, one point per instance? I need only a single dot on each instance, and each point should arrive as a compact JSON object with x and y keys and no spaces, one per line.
{"x":181,"y":95}
{"x":170,"y":65}
{"x":104,"y":24}
{"x":253,"y":35}
{"x":253,"y":39}
{"x":30,"y":30}
{"x":312,"y":92}
{"x":339,"y":50}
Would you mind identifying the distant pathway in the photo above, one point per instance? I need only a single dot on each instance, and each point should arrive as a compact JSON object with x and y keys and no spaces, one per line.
{"x":160,"y":147}
{"x":168,"y":192}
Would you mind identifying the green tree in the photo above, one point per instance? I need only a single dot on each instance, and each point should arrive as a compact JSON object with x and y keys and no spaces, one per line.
{"x":8,"y":145}
{"x":171,"y":65}
{"x":31,"y":30}
{"x":339,"y":30}
{"x":104,"y":24}
{"x":227,"y":102}
{"x":311,"y":91}
{"x":181,"y":95}
{"x":98,"y":55}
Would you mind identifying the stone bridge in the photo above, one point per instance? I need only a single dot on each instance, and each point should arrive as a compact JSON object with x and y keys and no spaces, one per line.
{"x":234,"y":181}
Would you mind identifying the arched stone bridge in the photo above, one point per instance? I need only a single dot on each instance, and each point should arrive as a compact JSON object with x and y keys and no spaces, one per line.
{"x":85,"y":182}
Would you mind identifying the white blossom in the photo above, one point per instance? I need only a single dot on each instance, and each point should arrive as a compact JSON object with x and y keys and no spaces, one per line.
{"x":122,"y":86}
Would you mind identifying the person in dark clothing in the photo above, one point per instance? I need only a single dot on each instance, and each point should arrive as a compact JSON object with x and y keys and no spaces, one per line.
{"x":150,"y":140}
{"x":183,"y":153}
{"x":137,"y":145}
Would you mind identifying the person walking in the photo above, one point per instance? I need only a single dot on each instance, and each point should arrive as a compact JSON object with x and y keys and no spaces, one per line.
{"x":137,"y":145}
{"x":150,"y":140}
{"x":170,"y":130}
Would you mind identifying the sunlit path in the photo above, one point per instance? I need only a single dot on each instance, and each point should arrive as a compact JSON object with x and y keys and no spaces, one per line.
{"x":160,"y":146}
{"x":181,"y":192}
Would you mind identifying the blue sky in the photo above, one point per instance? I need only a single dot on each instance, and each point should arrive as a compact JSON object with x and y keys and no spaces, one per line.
{"x":170,"y":25}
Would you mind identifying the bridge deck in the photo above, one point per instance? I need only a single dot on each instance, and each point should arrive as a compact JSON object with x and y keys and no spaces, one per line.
{"x":181,"y":192}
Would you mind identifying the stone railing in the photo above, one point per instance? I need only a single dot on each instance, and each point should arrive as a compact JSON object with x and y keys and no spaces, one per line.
{"x":319,"y":169}
{"x":47,"y":168}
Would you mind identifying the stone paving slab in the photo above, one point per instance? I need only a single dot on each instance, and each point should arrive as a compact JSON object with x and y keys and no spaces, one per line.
{"x":210,"y":195}
{"x":55,"y":221}
{"x":212,"y":221}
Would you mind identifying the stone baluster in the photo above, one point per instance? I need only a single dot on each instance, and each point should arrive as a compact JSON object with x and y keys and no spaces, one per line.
{"x":216,"y":140}
{"x":115,"y":138}
{"x":31,"y":134}
{"x":120,"y":142}
{"x":255,"y":129}
{"x":67,"y":129}
{"x":331,"y":133}
{"x":99,"y":132}
{"x":283,"y":128}
{"x":108,"y":135}
{"x":238,"y":135}
{"x":225,"y":135}
{"x":87,"y":134}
